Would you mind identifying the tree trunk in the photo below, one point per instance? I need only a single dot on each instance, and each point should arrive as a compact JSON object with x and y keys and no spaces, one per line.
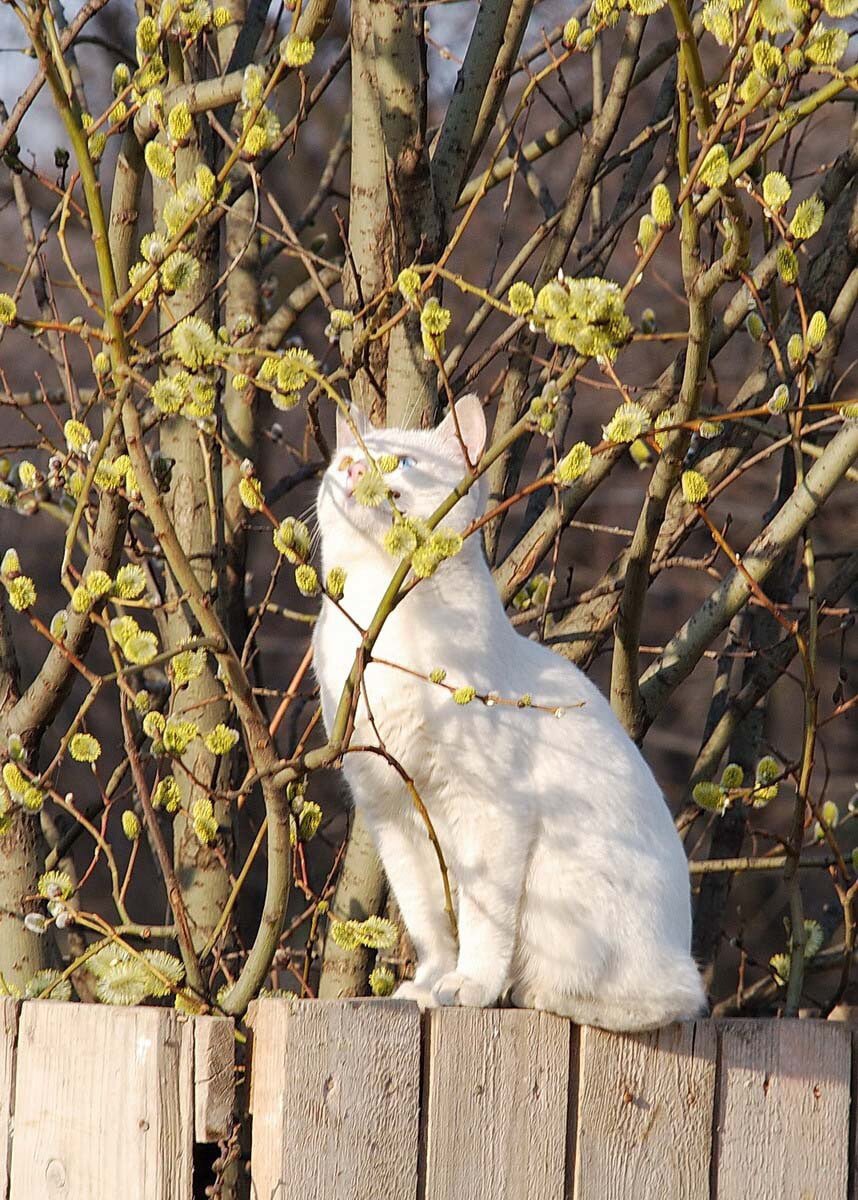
{"x":203,"y":881}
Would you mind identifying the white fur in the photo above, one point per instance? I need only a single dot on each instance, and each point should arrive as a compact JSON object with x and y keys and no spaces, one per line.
{"x":571,"y":883}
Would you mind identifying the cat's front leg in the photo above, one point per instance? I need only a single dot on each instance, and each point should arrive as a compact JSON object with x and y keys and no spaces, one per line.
{"x":415,"y":878}
{"x":490,"y":868}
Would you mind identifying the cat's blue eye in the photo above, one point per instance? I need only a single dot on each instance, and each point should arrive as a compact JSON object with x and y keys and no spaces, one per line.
{"x":407,"y":461}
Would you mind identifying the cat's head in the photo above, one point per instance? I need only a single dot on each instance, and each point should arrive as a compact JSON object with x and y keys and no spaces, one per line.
{"x":430,"y":462}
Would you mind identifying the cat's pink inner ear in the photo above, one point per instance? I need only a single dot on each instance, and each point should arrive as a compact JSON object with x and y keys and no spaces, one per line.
{"x":345,"y":437}
{"x":472,"y":427}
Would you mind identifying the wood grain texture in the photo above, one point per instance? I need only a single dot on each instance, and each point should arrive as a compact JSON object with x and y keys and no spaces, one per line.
{"x":8,"y":1038}
{"x":496,"y":1105}
{"x":214,"y":1077}
{"x":103,"y":1104}
{"x":853,"y":1115}
{"x":783,"y":1127}
{"x":645,"y":1106}
{"x":336,"y":1088}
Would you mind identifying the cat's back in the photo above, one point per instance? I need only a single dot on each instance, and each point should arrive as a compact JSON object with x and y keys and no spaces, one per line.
{"x":526,"y":669}
{"x":553,"y":739}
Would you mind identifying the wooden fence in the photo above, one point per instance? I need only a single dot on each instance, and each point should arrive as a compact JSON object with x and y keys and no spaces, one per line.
{"x":364,"y":1100}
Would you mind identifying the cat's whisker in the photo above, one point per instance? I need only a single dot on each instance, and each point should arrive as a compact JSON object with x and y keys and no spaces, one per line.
{"x":315,"y":536}
{"x":411,"y":411}
{"x":408,"y":414}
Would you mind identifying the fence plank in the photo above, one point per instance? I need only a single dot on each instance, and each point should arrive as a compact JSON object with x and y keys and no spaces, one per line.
{"x":8,"y":1034}
{"x":336,"y":1089}
{"x":784,"y":1110}
{"x":853,"y":1115}
{"x":214,"y":1077}
{"x":497,"y":1105}
{"x":645,"y":1106}
{"x":103,"y":1104}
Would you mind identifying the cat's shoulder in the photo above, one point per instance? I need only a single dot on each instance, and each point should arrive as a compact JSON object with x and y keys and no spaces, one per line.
{"x":540,"y":669}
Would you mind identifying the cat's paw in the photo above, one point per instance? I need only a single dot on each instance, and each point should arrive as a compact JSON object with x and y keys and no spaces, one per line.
{"x":422,"y":995}
{"x":458,"y":990}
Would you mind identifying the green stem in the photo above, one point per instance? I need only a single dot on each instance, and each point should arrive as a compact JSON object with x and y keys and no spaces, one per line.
{"x":690,"y":56}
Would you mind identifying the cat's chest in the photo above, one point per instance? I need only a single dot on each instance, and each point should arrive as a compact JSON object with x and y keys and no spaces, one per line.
{"x":392,"y":690}
{"x":427,"y":636}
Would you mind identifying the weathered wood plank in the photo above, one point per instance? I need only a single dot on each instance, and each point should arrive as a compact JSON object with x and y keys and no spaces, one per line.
{"x":214,"y":1077}
{"x":853,"y":1115}
{"x":335,"y":1099}
{"x":496,"y":1105}
{"x":8,"y":1036}
{"x":784,"y":1110}
{"x":103,"y":1104}
{"x":645,"y":1107}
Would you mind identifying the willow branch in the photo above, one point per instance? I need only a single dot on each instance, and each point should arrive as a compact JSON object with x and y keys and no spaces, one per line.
{"x":556,"y":135}
{"x":504,"y":474}
{"x":31,"y":91}
{"x":480,"y":87}
{"x":410,"y":205}
{"x":156,"y":839}
{"x":684,"y":650}
{"x":768,"y":668}
{"x":207,"y":95}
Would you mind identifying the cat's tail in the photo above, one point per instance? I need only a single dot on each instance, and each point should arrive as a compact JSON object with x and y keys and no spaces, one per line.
{"x":679,"y":996}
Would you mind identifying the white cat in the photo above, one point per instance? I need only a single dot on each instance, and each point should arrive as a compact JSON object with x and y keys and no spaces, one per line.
{"x":571,"y":883}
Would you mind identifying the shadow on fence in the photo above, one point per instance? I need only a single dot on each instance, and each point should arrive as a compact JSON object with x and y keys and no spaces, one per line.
{"x":361,"y":1100}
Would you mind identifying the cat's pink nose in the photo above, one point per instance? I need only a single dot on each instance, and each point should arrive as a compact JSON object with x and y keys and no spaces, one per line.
{"x":356,"y":472}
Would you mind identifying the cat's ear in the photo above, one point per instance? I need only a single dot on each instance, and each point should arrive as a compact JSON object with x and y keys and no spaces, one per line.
{"x":345,"y":437}
{"x":471,"y":421}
